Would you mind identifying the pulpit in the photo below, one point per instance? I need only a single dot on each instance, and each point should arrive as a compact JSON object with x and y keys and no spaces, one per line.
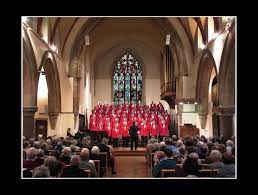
{"x":188,"y":130}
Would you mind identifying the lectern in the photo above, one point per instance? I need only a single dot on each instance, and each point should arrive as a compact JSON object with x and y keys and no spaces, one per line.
{"x":188,"y":130}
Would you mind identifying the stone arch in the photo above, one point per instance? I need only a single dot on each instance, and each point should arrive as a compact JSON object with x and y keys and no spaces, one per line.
{"x":227,"y":71}
{"x":226,"y":86}
{"x":48,"y":62}
{"x":29,"y":77}
{"x":207,"y":63}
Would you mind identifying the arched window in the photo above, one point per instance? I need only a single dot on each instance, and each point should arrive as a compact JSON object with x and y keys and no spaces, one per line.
{"x":127,"y":80}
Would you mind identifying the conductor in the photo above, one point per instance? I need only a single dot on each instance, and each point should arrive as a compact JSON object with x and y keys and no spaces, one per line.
{"x":134,"y":135}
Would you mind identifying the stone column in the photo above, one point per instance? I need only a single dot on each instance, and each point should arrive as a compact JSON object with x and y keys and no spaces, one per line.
{"x":203,"y":120}
{"x":227,"y":121}
{"x":53,"y":119}
{"x":179,"y":118}
{"x":28,"y":121}
{"x":75,"y":120}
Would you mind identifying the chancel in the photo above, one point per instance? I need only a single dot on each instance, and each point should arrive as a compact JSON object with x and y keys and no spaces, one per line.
{"x":128,"y":97}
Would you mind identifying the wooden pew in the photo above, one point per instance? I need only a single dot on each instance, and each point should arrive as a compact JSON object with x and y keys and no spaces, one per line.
{"x":168,"y":172}
{"x":151,"y":162}
{"x":97,"y":165}
{"x":105,"y":156}
{"x":208,"y":172}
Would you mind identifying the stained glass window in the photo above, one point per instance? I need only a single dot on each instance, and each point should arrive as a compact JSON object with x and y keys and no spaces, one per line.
{"x":127,"y":80}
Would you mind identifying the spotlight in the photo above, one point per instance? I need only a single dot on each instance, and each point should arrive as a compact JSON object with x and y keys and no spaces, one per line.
{"x":181,"y":103}
{"x":195,"y":103}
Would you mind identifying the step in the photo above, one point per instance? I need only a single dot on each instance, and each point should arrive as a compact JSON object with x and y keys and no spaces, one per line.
{"x":129,"y":152}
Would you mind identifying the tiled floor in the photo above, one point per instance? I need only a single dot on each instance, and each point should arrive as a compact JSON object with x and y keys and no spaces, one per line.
{"x":131,"y":167}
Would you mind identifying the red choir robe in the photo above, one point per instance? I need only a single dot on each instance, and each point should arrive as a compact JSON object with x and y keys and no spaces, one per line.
{"x":144,"y":130}
{"x":93,"y":125}
{"x":109,"y":129}
{"x":167,"y":119}
{"x":115,"y":131}
{"x":139,"y":122}
{"x":163,"y":130}
{"x":154,"y":130}
{"x":124,"y":129}
{"x":100,"y":126}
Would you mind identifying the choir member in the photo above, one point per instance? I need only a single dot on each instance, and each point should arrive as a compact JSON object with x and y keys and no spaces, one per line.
{"x":144,"y":132}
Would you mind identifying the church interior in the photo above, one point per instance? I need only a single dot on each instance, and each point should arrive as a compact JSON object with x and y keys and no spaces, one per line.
{"x":128,"y":97}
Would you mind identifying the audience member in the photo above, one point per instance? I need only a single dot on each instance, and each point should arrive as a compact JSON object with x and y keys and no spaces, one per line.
{"x":73,"y":170}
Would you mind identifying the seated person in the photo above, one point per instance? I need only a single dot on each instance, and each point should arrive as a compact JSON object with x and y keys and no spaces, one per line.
{"x":73,"y":170}
{"x":30,"y":163}
{"x":191,"y":167}
{"x":104,"y":147}
{"x":96,"y":156}
{"x":40,"y":156}
{"x":41,"y":172}
{"x":229,"y":166}
{"x":166,"y":162}
{"x":65,"y":156}
{"x":56,"y":169}
{"x":85,"y":164}
{"x":68,"y":134}
{"x":216,"y":158}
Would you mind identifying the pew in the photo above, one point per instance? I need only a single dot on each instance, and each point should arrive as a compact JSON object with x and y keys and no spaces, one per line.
{"x":97,"y":165}
{"x":168,"y":172}
{"x":208,"y":172}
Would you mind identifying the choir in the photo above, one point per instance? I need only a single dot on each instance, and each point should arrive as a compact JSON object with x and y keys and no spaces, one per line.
{"x":115,"y":120}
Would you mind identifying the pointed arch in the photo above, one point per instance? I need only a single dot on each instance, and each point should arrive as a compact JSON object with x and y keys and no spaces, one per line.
{"x":48,"y":62}
{"x":127,"y":78}
{"x":29,"y":73}
{"x":207,"y":63}
{"x":227,"y":71}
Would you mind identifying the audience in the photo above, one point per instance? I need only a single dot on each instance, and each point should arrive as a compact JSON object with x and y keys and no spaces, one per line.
{"x":191,"y":167}
{"x":65,"y":156}
{"x":58,"y":156}
{"x":85,"y":164}
{"x":40,"y":156}
{"x":41,"y":171}
{"x":30,"y":162}
{"x":73,"y":170}
{"x":165,"y":162}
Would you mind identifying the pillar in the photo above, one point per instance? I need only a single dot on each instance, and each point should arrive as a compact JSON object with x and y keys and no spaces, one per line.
{"x":28,"y":121}
{"x":203,"y":120}
{"x":227,"y":121}
{"x":53,"y":119}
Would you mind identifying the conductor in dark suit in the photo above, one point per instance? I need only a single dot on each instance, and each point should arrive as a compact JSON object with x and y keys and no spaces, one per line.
{"x":134,"y":135}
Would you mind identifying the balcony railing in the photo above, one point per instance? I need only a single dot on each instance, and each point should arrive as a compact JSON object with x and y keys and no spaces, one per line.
{"x":168,"y":87}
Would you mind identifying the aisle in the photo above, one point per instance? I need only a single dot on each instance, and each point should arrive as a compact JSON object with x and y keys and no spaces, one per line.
{"x":131,"y":167}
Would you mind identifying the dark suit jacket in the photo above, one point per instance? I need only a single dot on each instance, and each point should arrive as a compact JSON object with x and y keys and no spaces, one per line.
{"x":133,"y":131}
{"x":73,"y":171}
{"x":65,"y":159}
{"x":164,"y":164}
{"x":104,"y":148}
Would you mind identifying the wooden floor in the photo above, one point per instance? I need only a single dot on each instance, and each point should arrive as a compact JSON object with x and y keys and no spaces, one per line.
{"x":131,"y":167}
{"x":130,"y":164}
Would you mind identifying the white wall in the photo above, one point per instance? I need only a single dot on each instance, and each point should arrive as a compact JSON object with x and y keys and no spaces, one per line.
{"x":103,"y":91}
{"x":152,"y":90}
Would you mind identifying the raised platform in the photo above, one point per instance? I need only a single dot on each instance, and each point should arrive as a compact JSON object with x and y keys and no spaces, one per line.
{"x":126,"y":151}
